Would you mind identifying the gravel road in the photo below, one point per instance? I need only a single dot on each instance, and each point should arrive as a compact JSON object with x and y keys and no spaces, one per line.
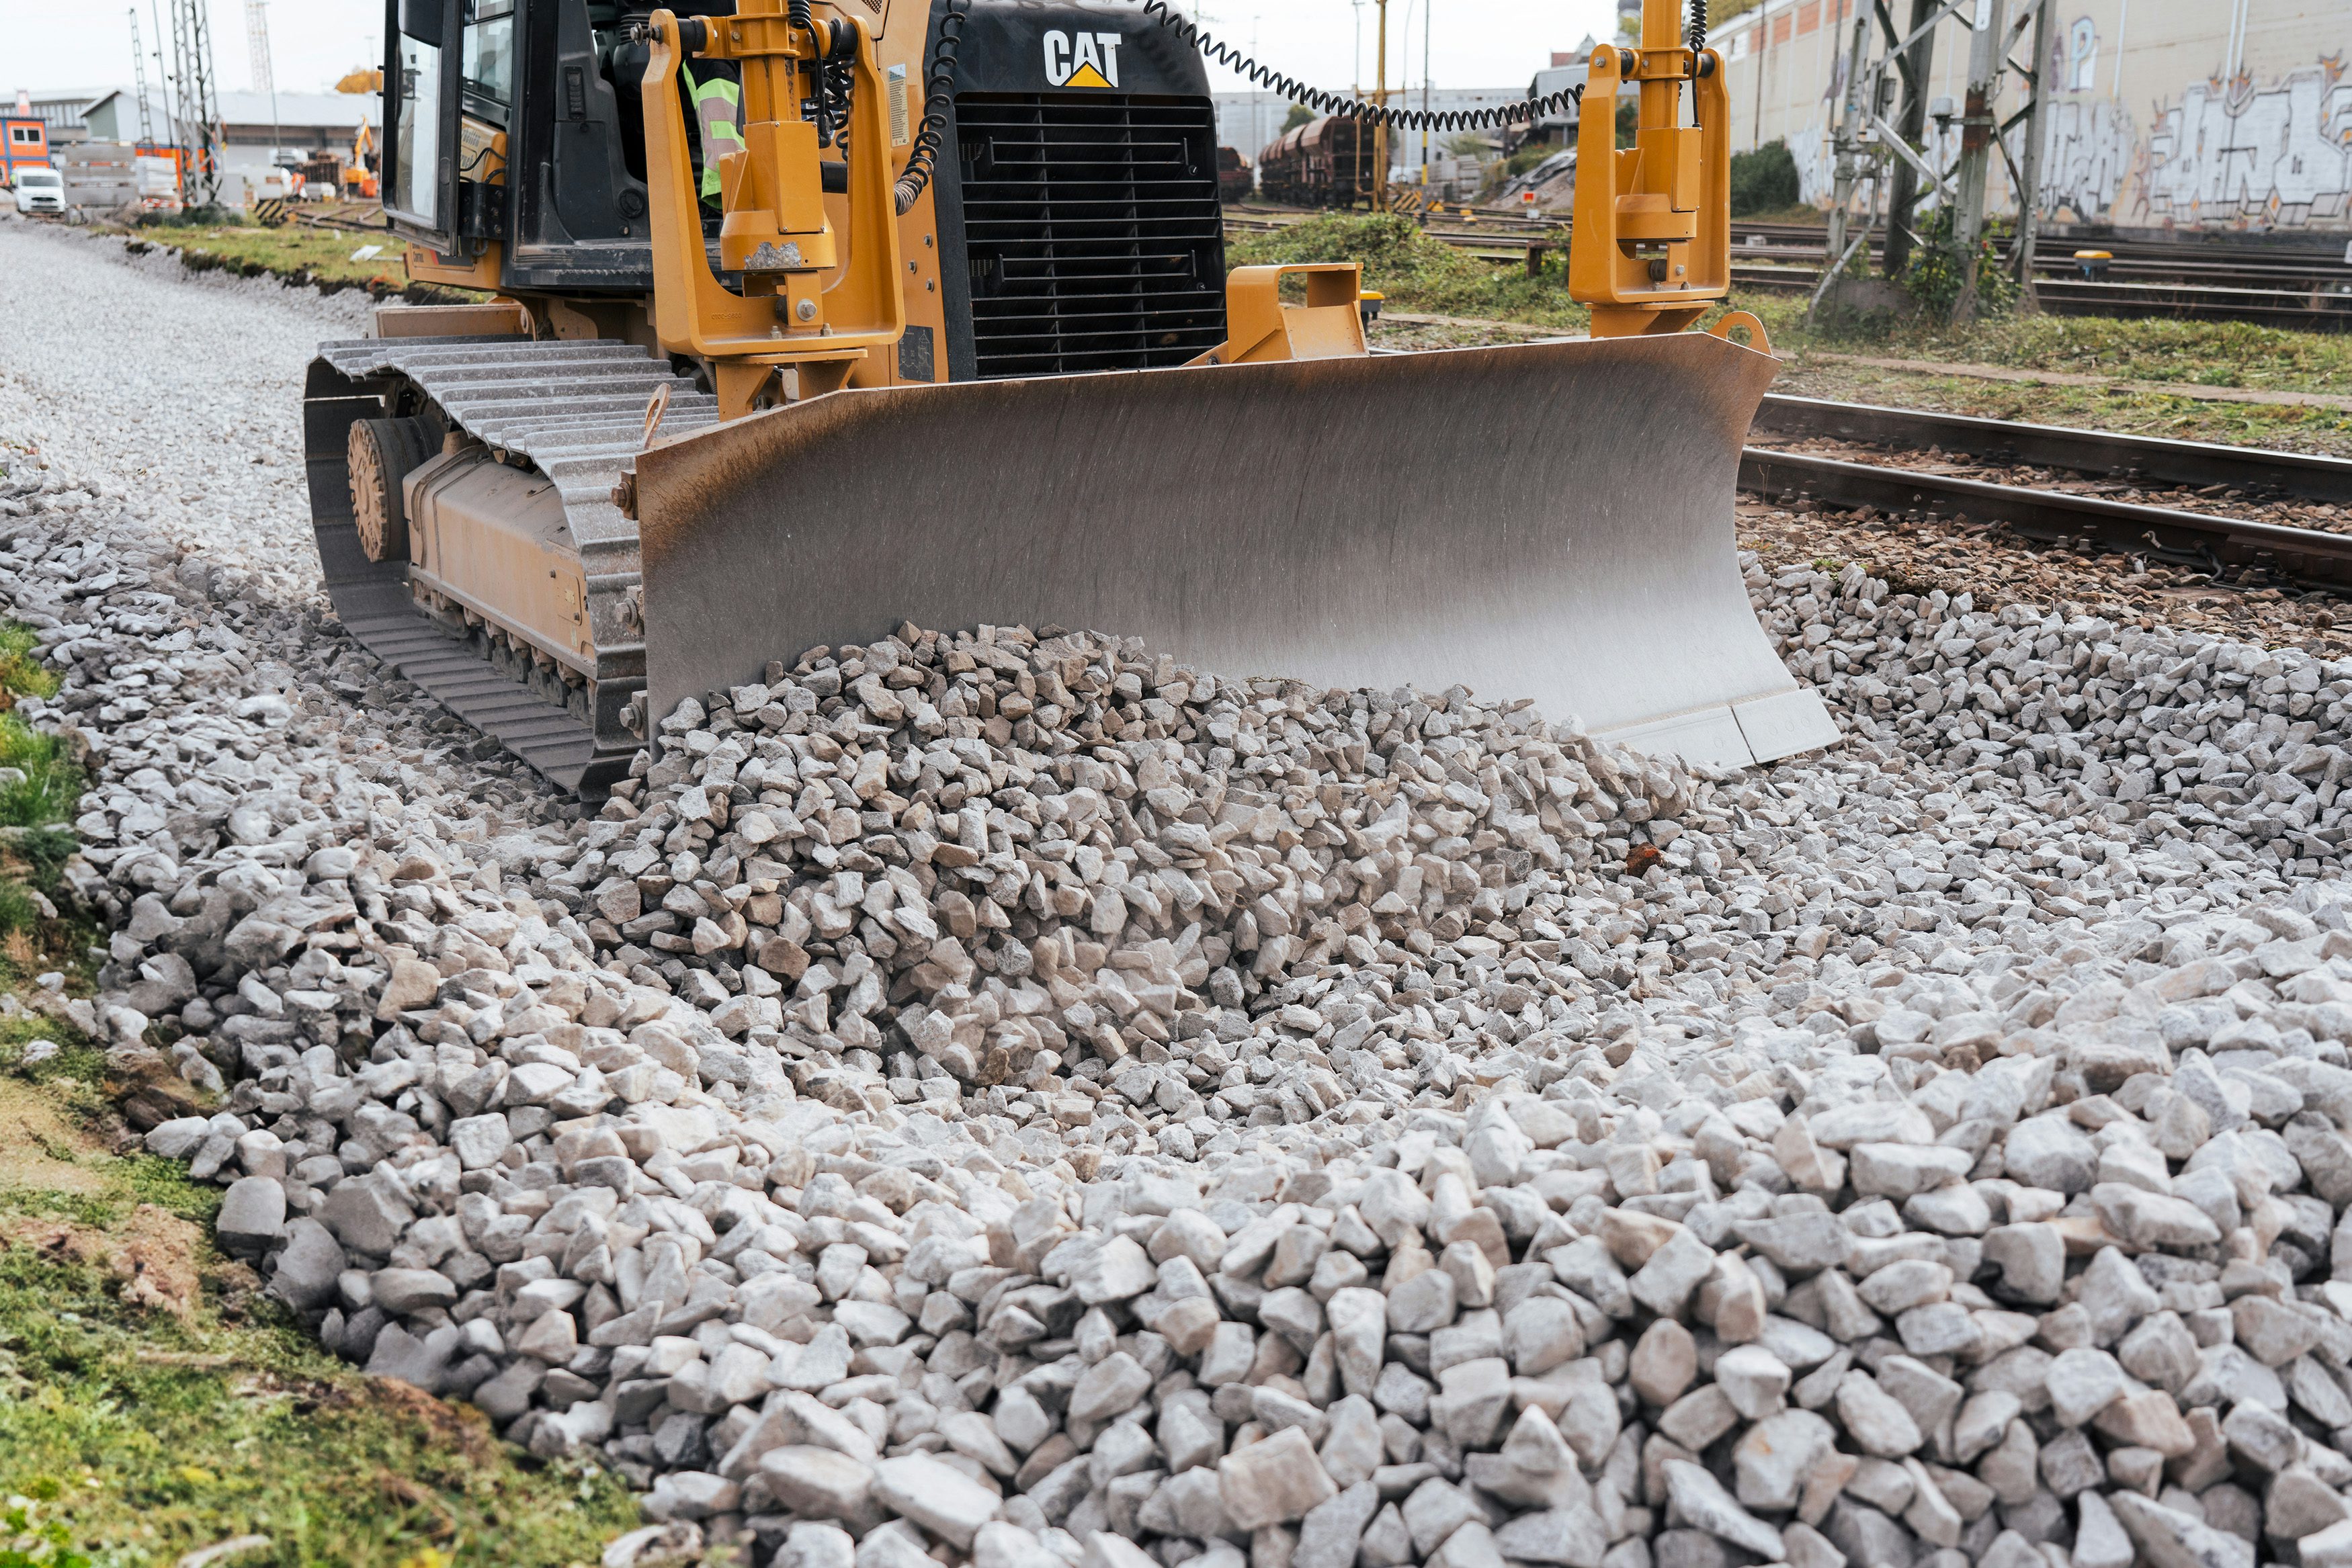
{"x":1023,"y":1100}
{"x":178,"y":392}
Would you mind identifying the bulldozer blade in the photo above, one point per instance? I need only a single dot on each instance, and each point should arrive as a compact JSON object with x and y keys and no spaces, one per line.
{"x":1548,"y":520}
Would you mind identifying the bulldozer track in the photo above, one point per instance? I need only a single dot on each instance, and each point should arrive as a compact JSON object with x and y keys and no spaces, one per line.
{"x":573,"y":412}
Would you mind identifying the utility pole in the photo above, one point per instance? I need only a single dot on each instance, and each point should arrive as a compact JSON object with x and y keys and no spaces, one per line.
{"x":1915,"y":66}
{"x":1426,"y":7}
{"x":1846,"y":135}
{"x":264,"y":78}
{"x":1356,"y":89}
{"x":1381,"y":135}
{"x":2029,"y":193}
{"x":163,"y":80}
{"x":1979,"y":125}
{"x":138,"y":76}
{"x":192,"y":53}
{"x":1257,"y":102}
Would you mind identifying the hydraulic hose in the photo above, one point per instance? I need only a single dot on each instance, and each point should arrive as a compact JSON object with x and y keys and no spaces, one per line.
{"x":939,"y":100}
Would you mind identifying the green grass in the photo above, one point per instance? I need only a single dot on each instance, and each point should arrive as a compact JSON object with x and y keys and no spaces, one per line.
{"x":41,"y":795}
{"x":21,"y":671}
{"x":1421,"y":274}
{"x":1416,"y":273}
{"x":51,"y":785}
{"x":152,"y":1402}
{"x":289,"y":251}
{"x":2152,"y":349}
{"x":297,"y":255}
{"x":132,"y":1434}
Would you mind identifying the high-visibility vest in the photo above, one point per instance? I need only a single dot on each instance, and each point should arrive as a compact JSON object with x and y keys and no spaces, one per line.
{"x":718,"y":111}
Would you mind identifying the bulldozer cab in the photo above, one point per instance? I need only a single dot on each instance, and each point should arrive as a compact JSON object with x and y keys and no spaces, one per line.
{"x":474,"y":88}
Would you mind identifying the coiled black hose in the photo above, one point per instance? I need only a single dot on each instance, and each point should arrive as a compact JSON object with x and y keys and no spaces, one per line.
{"x":798,"y":14}
{"x":837,"y":88}
{"x":939,"y":100}
{"x":1341,"y":104}
{"x":1695,"y":36}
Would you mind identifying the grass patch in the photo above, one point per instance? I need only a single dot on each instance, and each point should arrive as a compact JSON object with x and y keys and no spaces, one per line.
{"x":21,"y":671}
{"x":152,"y":1402}
{"x":308,"y":254}
{"x":40,"y":783}
{"x":1415,"y":272}
{"x":2122,"y":410}
{"x":2153,"y":349}
{"x":322,"y":257}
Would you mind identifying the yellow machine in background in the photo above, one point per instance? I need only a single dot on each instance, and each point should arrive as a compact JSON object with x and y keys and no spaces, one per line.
{"x":941,"y":332}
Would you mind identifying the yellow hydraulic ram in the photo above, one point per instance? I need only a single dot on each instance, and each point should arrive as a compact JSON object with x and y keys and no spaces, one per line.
{"x":1650,"y":251}
{"x":775,"y":231}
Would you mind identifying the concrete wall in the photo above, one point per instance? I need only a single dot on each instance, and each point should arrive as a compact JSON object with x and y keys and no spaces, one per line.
{"x":2218,"y":114}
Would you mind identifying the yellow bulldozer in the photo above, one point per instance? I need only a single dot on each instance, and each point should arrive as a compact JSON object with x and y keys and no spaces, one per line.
{"x":811,"y":317}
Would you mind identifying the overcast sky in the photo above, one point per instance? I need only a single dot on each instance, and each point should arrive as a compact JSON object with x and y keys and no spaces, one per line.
{"x":1473,"y":43}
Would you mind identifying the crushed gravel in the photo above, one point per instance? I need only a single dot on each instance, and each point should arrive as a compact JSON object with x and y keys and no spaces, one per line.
{"x":1015,"y":1098}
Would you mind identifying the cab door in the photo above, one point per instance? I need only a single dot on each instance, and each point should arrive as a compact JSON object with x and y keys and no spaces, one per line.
{"x":421,"y":112}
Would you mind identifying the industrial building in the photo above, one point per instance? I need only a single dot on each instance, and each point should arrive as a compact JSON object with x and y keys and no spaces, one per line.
{"x":24,"y":139}
{"x":2231,"y":115}
{"x":256,"y":125}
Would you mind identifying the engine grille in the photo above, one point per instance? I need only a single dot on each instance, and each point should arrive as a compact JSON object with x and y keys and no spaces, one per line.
{"x":1093,"y":231}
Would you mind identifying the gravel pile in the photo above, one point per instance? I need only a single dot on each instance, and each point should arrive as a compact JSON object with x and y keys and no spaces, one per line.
{"x":1014,"y":1097}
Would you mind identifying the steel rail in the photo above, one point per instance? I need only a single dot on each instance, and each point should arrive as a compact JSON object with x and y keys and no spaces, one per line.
{"x":2212,"y":543}
{"x":2142,"y":457}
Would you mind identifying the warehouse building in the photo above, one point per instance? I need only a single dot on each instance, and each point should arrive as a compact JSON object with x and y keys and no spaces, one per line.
{"x":2232,"y":115}
{"x":256,"y":125}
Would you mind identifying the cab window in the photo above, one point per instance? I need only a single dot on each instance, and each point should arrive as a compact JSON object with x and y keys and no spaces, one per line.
{"x":415,"y":192}
{"x":489,"y":59}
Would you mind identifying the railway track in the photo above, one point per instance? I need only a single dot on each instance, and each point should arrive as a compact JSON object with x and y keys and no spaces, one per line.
{"x":2186,"y":279}
{"x":2088,"y":488}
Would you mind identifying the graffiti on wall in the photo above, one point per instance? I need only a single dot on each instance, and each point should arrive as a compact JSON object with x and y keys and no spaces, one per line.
{"x":1816,"y":159}
{"x":2233,"y":156}
{"x":2086,"y":151}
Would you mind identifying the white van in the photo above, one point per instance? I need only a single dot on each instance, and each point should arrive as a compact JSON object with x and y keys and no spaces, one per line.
{"x":40,"y":189}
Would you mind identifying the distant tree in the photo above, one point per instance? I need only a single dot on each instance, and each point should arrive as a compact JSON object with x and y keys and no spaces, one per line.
{"x":1299,"y":115}
{"x":1764,"y":181}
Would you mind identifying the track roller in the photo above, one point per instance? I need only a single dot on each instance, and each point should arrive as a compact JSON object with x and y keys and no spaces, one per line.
{"x":381,"y":453}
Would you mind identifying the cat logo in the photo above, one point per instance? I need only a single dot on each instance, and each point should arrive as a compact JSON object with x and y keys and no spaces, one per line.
{"x":1088,"y":60}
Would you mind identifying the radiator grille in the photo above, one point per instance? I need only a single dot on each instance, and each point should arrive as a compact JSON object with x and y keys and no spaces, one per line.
{"x":1093,"y":231}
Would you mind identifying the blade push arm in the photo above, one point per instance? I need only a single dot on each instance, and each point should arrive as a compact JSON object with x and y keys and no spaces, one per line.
{"x":776,"y":231}
{"x":1651,"y":250}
